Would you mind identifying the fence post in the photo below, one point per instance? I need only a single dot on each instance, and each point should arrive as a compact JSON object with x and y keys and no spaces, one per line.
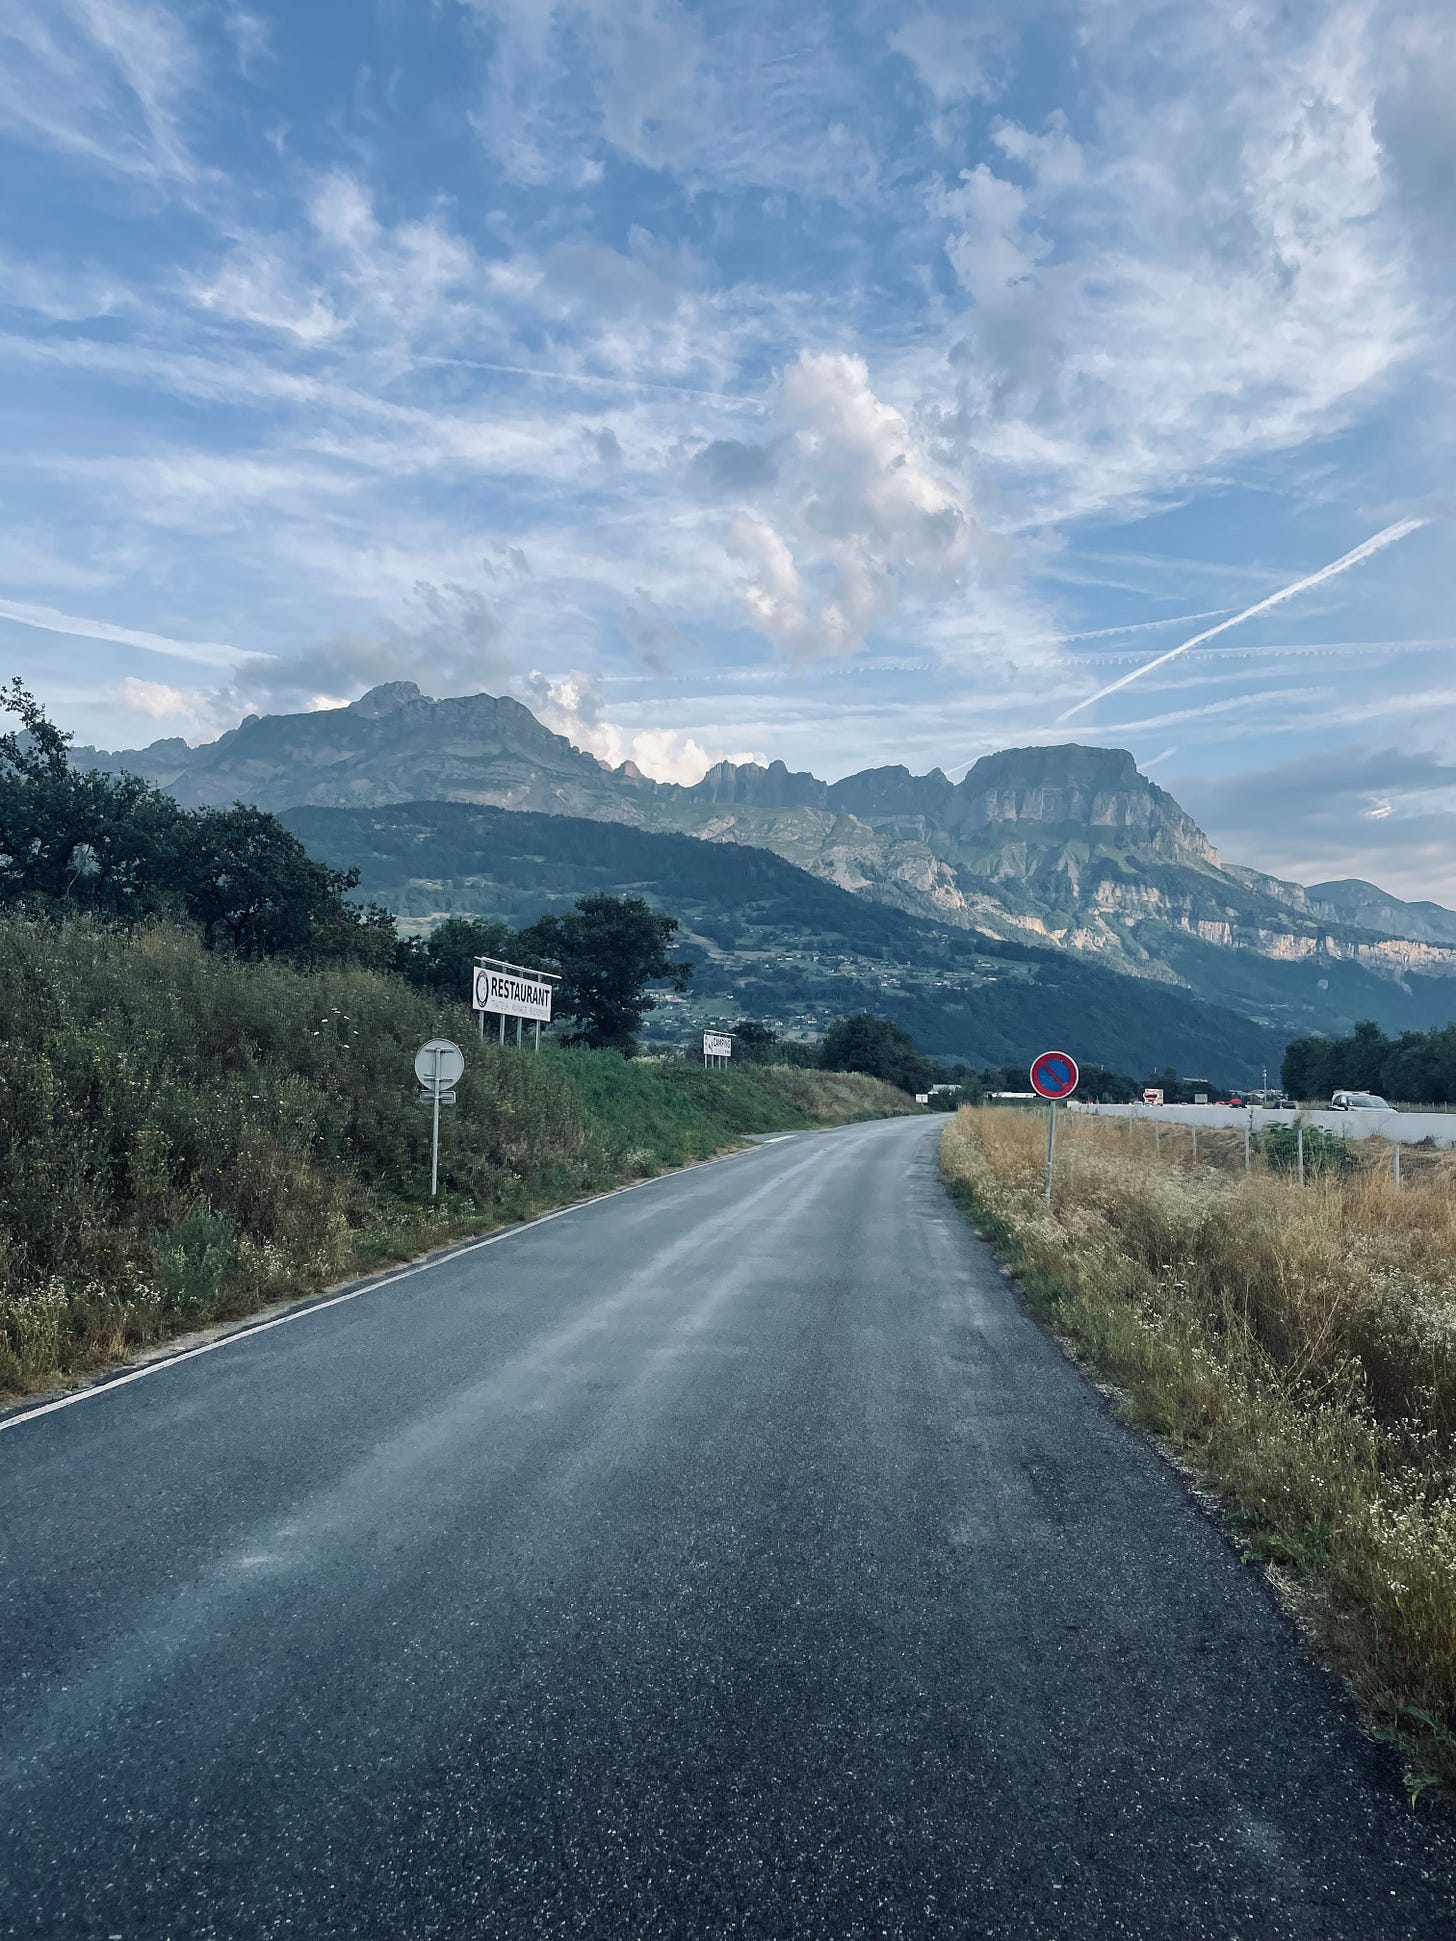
{"x":1395,"y":1161}
{"x":1301,"y":1155}
{"x":1248,"y":1156}
{"x":1195,"y":1145}
{"x":1051,"y":1145}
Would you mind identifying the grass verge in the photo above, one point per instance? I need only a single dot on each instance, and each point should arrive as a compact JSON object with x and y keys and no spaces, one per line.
{"x":1296,"y":1348}
{"x":184,"y":1139}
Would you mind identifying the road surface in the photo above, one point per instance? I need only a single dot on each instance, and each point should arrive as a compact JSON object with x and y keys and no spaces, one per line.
{"x":730,"y":1557}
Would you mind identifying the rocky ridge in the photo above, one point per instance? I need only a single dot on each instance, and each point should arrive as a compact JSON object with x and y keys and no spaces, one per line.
{"x":1069,"y":845}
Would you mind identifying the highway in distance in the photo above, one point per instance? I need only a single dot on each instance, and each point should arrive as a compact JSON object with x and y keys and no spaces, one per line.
{"x":730,"y":1557}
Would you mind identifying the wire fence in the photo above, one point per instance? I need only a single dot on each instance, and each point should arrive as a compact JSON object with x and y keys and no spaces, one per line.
{"x":1302,"y":1152}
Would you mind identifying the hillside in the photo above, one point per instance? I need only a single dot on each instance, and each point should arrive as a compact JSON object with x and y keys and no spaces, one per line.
{"x":1066,"y":847}
{"x":774,"y":943}
{"x":184,"y":1137}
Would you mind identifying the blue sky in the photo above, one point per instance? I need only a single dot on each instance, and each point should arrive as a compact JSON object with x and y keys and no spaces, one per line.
{"x":858,"y":384}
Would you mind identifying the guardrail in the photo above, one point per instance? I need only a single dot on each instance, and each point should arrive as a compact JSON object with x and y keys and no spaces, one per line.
{"x":1400,"y":1128}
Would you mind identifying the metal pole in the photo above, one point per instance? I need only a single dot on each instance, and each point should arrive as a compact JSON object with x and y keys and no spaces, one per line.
{"x":1395,"y":1160}
{"x":1301,"y":1155}
{"x":503,"y":1027}
{"x":538,"y":1035}
{"x":1248,"y":1156}
{"x":1195,"y":1145}
{"x":1051,"y":1145}
{"x":518,"y":1034}
{"x":435,"y":1140}
{"x":481,"y":1016}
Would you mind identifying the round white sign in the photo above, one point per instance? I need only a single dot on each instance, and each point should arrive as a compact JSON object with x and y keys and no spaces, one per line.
{"x":439,"y":1063}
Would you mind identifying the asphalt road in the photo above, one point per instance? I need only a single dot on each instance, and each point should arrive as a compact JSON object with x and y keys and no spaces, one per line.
{"x":731,"y":1557}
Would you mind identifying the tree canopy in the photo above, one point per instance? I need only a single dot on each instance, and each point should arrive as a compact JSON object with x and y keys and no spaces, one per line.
{"x":444,"y":961}
{"x":754,"y":1043}
{"x":864,"y":1043}
{"x":608,"y":950}
{"x":1418,"y":1067}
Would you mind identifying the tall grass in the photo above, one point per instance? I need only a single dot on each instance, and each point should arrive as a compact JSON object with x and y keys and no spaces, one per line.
{"x":1296,"y":1345}
{"x":183,"y":1138}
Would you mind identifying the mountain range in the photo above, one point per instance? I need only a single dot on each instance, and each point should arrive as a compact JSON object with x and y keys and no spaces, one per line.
{"x":1065,"y":849}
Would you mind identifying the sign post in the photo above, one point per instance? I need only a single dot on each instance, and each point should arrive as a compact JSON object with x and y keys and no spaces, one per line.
{"x":717,"y":1047}
{"x":1053,"y":1077}
{"x":512,"y":991}
{"x":438,"y":1065}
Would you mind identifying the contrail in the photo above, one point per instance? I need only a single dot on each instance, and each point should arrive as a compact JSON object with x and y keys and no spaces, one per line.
{"x":1400,"y":530}
{"x":210,"y":653}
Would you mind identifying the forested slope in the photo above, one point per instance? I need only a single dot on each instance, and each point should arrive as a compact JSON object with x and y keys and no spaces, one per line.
{"x":773,"y":942}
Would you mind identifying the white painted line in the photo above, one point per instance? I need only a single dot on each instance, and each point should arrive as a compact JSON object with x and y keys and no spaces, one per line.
{"x":777,"y":1140}
{"x":351,"y":1294}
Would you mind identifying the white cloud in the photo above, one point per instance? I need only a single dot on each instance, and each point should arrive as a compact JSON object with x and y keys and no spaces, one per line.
{"x":1213,"y":268}
{"x":158,"y":702}
{"x":860,"y":520}
{"x":449,"y":640}
{"x":947,"y":51}
{"x":105,"y":81}
{"x":717,"y":96}
{"x":255,"y":285}
{"x":575,"y":706}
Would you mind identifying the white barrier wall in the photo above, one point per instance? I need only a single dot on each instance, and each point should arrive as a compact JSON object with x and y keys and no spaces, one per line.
{"x":1405,"y":1128}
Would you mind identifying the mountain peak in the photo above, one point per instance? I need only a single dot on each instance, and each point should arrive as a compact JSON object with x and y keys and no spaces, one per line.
{"x":1056,"y":765}
{"x":387,"y":698}
{"x":1095,"y":794}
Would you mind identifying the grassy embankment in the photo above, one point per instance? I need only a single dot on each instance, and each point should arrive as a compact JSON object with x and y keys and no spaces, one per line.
{"x":1295,"y":1346}
{"x":184,"y":1139}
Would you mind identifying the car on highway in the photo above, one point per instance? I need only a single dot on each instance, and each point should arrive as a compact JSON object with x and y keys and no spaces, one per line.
{"x":1358,"y":1102}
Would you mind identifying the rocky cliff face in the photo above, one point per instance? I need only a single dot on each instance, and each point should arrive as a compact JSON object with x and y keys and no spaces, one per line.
{"x":1097,"y":794}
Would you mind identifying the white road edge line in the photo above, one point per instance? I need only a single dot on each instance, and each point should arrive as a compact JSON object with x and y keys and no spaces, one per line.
{"x":351,"y":1294}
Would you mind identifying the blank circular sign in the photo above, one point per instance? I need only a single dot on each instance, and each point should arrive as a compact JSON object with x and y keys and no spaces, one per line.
{"x":439,"y":1063}
{"x":1055,"y":1075}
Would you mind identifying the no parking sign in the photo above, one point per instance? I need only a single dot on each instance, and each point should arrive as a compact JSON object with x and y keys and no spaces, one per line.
{"x":1054,"y":1076}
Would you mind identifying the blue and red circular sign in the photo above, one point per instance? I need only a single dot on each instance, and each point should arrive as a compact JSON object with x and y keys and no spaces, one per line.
{"x":1055,"y":1075}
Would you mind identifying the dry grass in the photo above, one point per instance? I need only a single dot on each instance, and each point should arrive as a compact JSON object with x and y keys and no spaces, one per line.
{"x":1296,"y":1346}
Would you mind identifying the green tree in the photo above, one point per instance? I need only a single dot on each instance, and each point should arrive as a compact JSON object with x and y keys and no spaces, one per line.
{"x":443,"y":962}
{"x":1307,"y":1069}
{"x":256,"y":892}
{"x":1103,"y":1087}
{"x":1362,"y":1057}
{"x":878,"y":1046}
{"x":77,"y":841}
{"x":753,"y":1042}
{"x":1419,"y":1067}
{"x":608,"y":950}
